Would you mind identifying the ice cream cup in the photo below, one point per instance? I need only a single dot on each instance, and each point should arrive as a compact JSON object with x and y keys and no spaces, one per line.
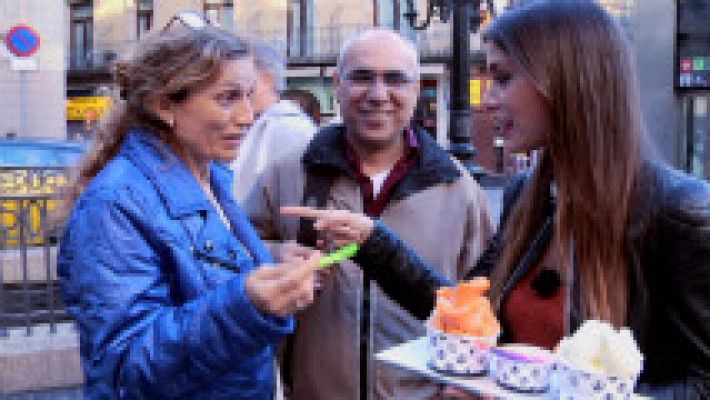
{"x":573,"y":383}
{"x":458,"y":355}
{"x":522,"y":368}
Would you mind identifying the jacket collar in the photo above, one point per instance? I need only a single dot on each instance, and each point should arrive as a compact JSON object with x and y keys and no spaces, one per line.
{"x":327,"y":152}
{"x":176,"y":185}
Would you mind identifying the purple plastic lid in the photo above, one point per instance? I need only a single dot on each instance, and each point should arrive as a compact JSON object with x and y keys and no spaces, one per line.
{"x":511,"y":354}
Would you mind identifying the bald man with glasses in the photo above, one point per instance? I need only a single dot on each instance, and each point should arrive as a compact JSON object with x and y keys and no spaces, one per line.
{"x":375,"y":163}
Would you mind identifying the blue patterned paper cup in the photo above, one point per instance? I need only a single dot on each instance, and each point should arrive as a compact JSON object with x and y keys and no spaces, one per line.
{"x":575,"y":384}
{"x":522,"y":368}
{"x":458,"y":355}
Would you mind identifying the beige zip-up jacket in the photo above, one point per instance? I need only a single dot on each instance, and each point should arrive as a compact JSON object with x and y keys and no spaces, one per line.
{"x":438,"y":209}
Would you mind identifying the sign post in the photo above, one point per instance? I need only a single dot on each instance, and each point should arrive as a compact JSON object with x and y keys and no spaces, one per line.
{"x":23,"y":43}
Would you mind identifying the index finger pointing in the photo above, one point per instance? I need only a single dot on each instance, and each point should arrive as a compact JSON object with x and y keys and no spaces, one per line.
{"x":302,"y":211}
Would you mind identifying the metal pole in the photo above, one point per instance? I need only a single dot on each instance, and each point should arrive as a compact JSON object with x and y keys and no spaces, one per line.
{"x":690,"y":135}
{"x":23,"y":104}
{"x":461,"y":146}
{"x":43,"y":204}
{"x":23,"y":240}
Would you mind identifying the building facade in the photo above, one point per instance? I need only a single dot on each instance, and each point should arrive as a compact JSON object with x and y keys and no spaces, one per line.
{"x":32,"y":86}
{"x":308,"y":32}
{"x":692,"y":86}
{"x":77,"y":50}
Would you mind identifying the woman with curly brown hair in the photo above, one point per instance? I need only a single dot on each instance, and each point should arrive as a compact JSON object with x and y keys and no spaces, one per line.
{"x":161,"y":269}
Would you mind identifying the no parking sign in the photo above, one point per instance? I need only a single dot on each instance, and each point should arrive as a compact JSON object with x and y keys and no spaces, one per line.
{"x":22,"y":41}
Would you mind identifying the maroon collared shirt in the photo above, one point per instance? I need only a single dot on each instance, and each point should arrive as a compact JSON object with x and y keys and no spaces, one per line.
{"x":375,"y":204}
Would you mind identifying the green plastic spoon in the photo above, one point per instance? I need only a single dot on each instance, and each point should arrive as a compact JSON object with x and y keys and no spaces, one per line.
{"x":342,"y":254}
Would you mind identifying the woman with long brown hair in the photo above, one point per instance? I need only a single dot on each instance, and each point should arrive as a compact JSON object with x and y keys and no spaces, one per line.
{"x":599,"y":229}
{"x":163,"y":273}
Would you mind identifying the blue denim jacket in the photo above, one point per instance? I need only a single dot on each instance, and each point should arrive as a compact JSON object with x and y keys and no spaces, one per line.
{"x":156,"y":283}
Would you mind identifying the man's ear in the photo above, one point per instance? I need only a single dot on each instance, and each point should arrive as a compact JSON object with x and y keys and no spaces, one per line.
{"x":160,"y":107}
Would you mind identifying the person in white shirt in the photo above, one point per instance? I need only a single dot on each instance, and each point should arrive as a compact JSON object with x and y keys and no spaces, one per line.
{"x":281,"y":127}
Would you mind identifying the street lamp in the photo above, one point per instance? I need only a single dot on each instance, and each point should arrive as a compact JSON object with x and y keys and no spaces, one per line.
{"x":466,"y":18}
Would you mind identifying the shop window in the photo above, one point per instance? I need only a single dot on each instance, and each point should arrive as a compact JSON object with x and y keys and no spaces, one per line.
{"x":697,"y":135}
{"x":81,"y":34}
{"x":692,"y":46}
{"x":426,"y":111}
{"x":386,"y":13}
{"x":300,"y":29}
{"x":144,"y":17}
{"x":220,"y":12}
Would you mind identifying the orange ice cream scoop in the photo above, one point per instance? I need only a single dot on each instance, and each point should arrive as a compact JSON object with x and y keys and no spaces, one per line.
{"x":464,"y":310}
{"x":472,"y":290}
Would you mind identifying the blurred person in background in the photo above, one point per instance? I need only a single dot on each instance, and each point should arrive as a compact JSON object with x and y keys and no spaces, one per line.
{"x":377,"y":164}
{"x":281,"y":126}
{"x":599,"y":229}
{"x":174,"y":294}
{"x":307,"y":101}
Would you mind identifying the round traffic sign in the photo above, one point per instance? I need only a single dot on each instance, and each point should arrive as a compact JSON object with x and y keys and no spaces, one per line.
{"x":22,"y":40}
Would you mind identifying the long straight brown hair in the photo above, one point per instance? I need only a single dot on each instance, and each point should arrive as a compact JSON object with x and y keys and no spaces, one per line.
{"x":580,"y":60}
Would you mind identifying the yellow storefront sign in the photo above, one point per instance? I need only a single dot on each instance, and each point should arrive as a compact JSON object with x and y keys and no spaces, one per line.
{"x":25,"y":209}
{"x":87,"y":107}
{"x":476,"y":90}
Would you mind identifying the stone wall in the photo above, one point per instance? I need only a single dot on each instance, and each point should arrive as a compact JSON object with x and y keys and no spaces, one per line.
{"x":40,"y":361}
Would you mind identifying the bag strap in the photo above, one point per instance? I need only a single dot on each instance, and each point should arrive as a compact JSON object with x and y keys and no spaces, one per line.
{"x":315,"y":194}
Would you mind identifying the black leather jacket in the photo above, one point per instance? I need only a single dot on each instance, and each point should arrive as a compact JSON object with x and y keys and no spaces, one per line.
{"x":669,"y":256}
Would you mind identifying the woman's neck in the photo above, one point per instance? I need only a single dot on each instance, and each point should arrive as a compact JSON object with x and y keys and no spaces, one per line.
{"x":202,"y":173}
{"x":200,"y":168}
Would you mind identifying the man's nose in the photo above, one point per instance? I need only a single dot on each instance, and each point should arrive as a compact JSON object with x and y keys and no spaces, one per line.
{"x":378,"y":90}
{"x":243,"y":113}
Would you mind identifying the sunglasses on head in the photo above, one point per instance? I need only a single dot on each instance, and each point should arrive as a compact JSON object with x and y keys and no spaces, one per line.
{"x":191,"y":19}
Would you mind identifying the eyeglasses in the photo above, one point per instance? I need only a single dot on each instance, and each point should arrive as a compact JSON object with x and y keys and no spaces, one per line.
{"x":191,"y":19}
{"x":394,"y":79}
